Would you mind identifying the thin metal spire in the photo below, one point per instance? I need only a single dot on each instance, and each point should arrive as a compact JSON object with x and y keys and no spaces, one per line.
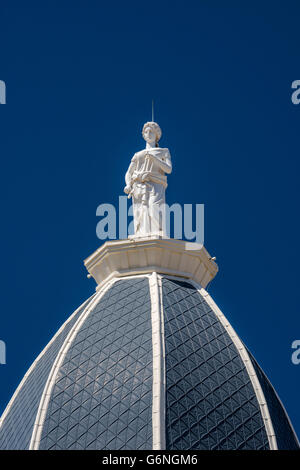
{"x":152,"y":110}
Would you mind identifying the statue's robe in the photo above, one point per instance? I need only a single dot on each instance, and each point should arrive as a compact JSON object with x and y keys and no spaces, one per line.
{"x":147,"y":179}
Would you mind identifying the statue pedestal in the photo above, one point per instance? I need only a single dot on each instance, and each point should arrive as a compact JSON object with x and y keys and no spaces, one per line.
{"x":142,"y":255}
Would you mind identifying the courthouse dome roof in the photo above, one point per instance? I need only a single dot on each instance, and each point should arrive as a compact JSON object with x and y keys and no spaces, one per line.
{"x":148,"y":362}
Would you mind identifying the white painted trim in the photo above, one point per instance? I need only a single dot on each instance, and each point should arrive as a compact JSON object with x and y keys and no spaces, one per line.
{"x":158,"y":384}
{"x":163,"y":379}
{"x":118,"y":276}
{"x":10,"y":403}
{"x":43,"y":406}
{"x":248,"y":364}
{"x":143,"y":272}
{"x":282,"y":406}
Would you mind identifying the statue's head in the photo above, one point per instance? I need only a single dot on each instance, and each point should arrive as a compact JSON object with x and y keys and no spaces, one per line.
{"x":151,"y":132}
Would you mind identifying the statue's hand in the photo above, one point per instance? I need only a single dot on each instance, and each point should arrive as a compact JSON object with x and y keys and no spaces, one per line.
{"x":149,"y":157}
{"x":127,"y":189}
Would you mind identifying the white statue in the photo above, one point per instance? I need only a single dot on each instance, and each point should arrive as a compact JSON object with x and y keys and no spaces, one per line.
{"x":146,"y":182}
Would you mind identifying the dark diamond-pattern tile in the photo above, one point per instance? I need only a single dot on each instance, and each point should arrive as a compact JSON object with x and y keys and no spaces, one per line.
{"x":105,"y":381}
{"x":16,"y":430}
{"x":285,"y":437}
{"x":210,"y":401}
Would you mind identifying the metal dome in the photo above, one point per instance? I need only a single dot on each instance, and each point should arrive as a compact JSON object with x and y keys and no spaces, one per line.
{"x":148,"y":362}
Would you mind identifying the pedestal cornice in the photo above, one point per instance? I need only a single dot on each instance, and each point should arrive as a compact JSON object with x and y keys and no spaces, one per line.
{"x":118,"y":258}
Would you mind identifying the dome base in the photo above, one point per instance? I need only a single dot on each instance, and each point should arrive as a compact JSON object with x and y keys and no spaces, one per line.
{"x":144,"y":255}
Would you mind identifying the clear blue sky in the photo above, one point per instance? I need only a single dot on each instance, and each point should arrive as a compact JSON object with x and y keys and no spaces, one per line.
{"x":80,"y":78}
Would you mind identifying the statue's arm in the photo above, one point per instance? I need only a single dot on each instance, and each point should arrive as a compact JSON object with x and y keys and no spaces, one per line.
{"x":165,"y":162}
{"x":128,"y":176}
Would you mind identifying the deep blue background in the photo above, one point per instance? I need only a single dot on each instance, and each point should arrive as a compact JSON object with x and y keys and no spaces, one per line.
{"x":80,"y":78}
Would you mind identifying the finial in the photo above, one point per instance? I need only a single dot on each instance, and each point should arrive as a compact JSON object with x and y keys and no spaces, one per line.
{"x":152,"y":110}
{"x":146,"y":181}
